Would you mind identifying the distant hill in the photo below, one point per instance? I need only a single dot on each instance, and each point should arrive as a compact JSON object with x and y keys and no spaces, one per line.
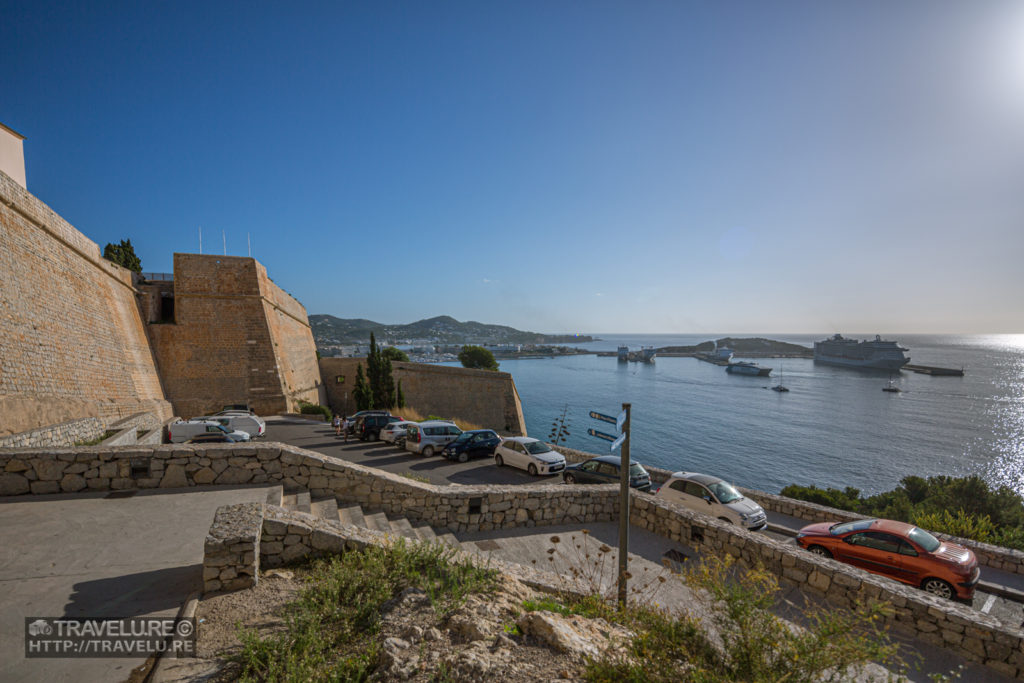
{"x":329,"y":330}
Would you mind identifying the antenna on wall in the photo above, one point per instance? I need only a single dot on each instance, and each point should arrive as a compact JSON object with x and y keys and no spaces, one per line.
{"x":248,"y":241}
{"x":200,"y":239}
{"x":224,"y":236}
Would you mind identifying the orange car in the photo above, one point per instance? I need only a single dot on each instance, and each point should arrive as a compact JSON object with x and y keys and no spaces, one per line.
{"x":897,"y":550}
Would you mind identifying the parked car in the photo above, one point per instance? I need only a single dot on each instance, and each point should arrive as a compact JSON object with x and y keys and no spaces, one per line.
{"x":212,"y":437}
{"x":604,"y":469}
{"x":477,"y":443}
{"x":367,"y":427}
{"x":392,"y":432}
{"x":898,"y":550}
{"x":710,"y":495}
{"x":429,"y":437}
{"x":239,"y":422}
{"x":532,"y":455}
{"x":183,"y":430}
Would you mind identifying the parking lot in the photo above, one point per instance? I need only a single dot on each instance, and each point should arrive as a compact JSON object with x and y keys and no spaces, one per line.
{"x":436,"y":469}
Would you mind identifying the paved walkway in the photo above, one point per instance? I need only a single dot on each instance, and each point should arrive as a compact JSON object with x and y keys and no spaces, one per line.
{"x":89,"y":555}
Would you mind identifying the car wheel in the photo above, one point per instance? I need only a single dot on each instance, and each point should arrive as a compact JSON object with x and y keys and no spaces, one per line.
{"x":463,"y":456}
{"x":725,"y":519}
{"x":819,"y":551}
{"x":499,"y":461}
{"x":939,"y":587}
{"x":532,"y":469}
{"x":569,"y":479}
{"x":428,"y":451}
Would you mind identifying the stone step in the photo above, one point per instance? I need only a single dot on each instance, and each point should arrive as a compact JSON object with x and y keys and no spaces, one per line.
{"x":377,"y":521}
{"x":351,"y":514}
{"x":303,"y":502}
{"x":402,"y":527}
{"x":288,"y":501}
{"x":425,"y":533}
{"x":448,"y":538}
{"x":327,"y":508}
{"x":275,"y":495}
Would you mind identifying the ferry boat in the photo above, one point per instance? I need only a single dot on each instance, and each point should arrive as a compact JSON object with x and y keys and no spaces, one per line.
{"x":877,"y":354}
{"x":746,"y":368}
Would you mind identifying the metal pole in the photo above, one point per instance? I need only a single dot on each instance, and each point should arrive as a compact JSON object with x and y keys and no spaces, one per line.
{"x":624,"y":508}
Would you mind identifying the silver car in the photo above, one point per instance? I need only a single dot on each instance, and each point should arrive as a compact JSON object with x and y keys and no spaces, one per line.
{"x":430,"y":437}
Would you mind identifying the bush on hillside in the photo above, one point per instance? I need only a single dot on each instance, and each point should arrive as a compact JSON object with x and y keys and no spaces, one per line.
{"x":307,"y":408}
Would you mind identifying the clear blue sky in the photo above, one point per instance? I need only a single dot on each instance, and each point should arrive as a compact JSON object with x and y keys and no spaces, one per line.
{"x":798,"y":166}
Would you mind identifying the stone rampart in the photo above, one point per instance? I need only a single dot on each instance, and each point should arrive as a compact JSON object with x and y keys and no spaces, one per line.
{"x":235,"y":337}
{"x":73,"y":340}
{"x":489,"y":399}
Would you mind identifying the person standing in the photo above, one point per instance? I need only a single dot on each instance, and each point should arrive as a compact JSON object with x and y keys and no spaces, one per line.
{"x":336,"y":422}
{"x":345,"y":427}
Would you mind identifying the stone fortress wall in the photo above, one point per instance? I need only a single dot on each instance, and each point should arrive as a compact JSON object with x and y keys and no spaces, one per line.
{"x":486,"y":398}
{"x":233,"y":337}
{"x":72,"y":341}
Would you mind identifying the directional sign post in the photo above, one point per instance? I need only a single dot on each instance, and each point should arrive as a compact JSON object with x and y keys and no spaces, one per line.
{"x":621,"y":423}
{"x":624,"y":504}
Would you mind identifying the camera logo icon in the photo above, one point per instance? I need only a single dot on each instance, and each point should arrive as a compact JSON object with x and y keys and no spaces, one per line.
{"x":40,"y":627}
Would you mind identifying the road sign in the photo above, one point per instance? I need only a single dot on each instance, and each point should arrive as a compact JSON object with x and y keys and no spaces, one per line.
{"x":601,"y":435}
{"x":618,"y":442}
{"x":621,"y":421}
{"x":604,"y":418}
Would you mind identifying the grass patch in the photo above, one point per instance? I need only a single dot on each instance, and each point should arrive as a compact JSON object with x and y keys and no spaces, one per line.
{"x":415,"y":477}
{"x":413,"y":415}
{"x":332,"y":628}
{"x":98,"y":440}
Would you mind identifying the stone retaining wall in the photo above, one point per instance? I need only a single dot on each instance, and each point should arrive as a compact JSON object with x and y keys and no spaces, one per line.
{"x":128,"y":436}
{"x":144,"y":421}
{"x":970,"y":633}
{"x":231,"y":553}
{"x":64,"y":434}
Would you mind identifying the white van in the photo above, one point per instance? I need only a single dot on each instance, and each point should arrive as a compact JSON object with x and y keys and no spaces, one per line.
{"x":183,"y":430}
{"x":430,"y":437}
{"x":250,"y":424}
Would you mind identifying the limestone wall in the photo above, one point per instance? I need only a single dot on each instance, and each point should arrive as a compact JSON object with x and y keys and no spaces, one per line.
{"x":236,"y":338}
{"x":64,"y":434}
{"x":489,"y":399}
{"x":72,"y":343}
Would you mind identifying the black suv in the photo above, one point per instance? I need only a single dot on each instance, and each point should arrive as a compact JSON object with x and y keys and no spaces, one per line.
{"x":477,"y":443}
{"x":367,"y":427}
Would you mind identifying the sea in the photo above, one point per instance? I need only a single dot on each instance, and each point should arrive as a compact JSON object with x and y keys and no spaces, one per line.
{"x":834,"y":428}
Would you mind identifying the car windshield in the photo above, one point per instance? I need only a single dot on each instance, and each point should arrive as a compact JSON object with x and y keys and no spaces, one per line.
{"x":725,"y":493}
{"x":924,"y":539}
{"x":637,"y":470}
{"x":845,"y":527}
{"x":463,"y":437}
{"x":537,"y":447}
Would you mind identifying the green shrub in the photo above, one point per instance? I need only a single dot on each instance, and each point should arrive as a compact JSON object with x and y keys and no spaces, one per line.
{"x":307,"y":408}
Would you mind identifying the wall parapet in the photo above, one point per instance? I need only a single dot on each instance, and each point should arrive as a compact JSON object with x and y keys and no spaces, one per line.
{"x":63,"y":434}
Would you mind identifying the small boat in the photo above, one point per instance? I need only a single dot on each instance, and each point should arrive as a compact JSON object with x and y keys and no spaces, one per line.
{"x":779,"y":387}
{"x":891,"y":387}
{"x":747,"y":368}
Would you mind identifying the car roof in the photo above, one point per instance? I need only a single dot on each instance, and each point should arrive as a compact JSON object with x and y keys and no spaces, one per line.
{"x":705,"y":479}
{"x":435,"y":423}
{"x":520,"y":439}
{"x":613,"y":459}
{"x":479,"y":431}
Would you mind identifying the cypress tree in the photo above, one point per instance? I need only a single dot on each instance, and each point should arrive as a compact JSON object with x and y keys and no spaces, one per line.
{"x":362,"y":393}
{"x":399,"y":396}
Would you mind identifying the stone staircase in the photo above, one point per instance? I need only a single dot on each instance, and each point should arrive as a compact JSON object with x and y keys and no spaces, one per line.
{"x":354,"y":515}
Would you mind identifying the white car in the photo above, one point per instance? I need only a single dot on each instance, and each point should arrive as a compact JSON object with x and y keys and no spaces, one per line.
{"x":242,"y":422}
{"x":183,"y":430}
{"x":532,"y":455}
{"x":394,"y":431}
{"x":711,"y":496}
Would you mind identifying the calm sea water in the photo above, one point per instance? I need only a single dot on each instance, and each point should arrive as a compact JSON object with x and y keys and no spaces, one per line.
{"x":835,"y":427}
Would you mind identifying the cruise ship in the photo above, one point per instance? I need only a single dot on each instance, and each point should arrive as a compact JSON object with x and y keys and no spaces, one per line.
{"x":876,"y":354}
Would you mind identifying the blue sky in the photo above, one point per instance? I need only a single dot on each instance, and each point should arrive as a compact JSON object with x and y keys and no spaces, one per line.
{"x":797,"y":166}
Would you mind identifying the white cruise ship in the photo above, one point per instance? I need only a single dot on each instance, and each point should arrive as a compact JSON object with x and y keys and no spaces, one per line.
{"x":877,"y":354}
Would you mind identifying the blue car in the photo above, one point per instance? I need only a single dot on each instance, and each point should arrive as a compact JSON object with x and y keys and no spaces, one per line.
{"x":605,"y":470}
{"x":476,"y":443}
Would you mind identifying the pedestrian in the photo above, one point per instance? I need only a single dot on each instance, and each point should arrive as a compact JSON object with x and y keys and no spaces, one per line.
{"x":336,"y":422}
{"x":346,"y":425}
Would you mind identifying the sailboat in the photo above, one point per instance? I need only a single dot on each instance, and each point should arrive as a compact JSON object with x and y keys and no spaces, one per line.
{"x":891,"y":387}
{"x":779,"y":387}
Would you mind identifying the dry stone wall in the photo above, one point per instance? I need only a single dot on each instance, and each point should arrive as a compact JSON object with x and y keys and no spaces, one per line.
{"x":64,"y":434}
{"x":485,"y":398}
{"x":73,"y":343}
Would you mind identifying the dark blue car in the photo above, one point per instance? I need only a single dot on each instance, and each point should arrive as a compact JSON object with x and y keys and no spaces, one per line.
{"x":605,"y":470}
{"x":477,"y":443}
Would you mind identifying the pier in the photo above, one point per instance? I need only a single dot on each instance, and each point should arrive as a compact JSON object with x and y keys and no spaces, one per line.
{"x":934,"y":371}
